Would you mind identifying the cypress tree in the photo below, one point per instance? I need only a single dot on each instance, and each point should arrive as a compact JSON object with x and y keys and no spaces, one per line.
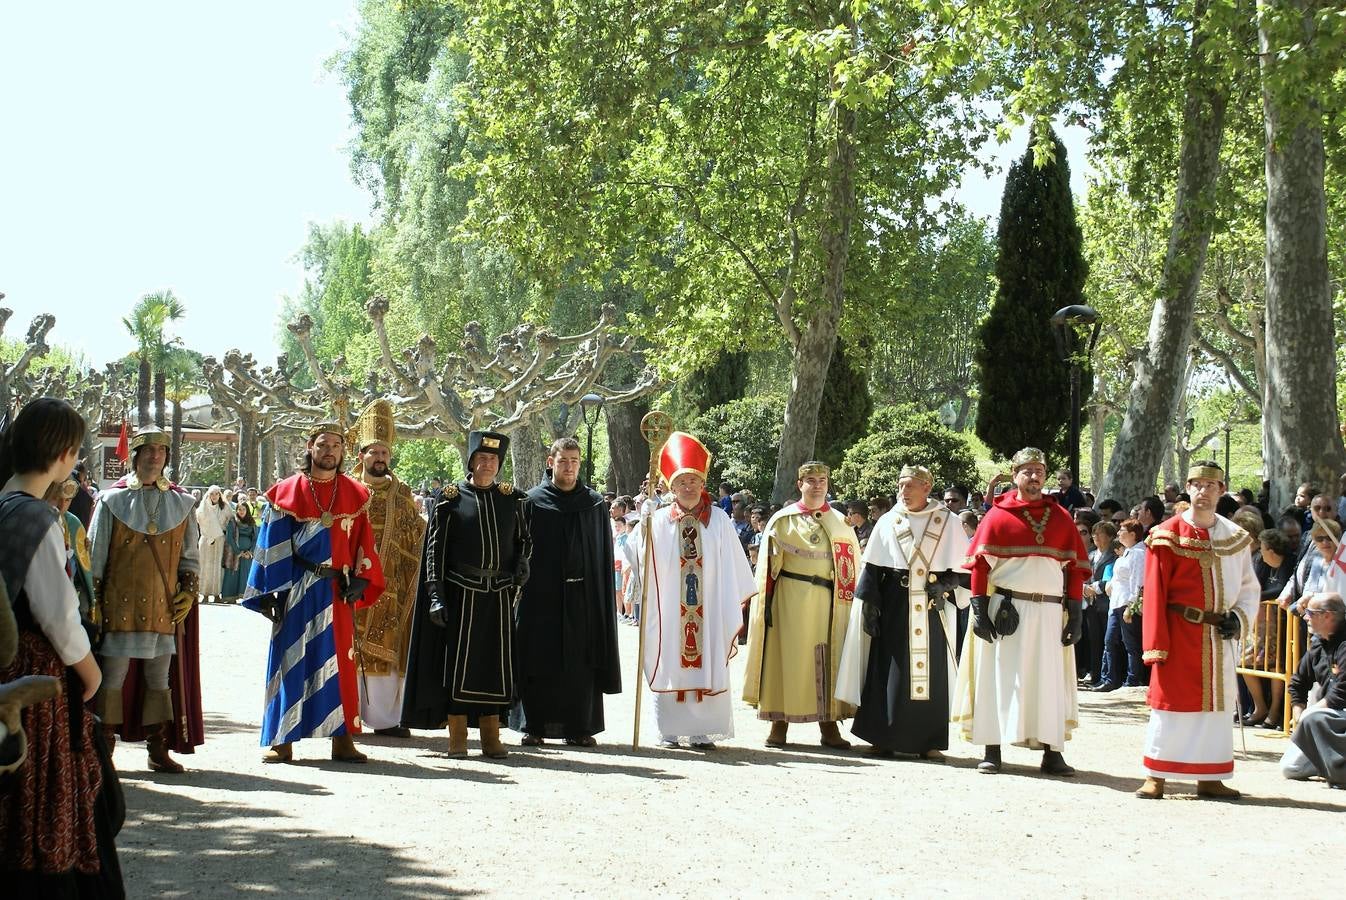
{"x":1025,"y":387}
{"x":846,"y":405}
{"x":720,"y":382}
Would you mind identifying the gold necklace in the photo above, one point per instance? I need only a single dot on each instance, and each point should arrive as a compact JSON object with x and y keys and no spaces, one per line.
{"x":1039,"y":528}
{"x":326,"y":518}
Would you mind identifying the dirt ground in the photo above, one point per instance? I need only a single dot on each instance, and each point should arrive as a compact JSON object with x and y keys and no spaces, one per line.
{"x":740,"y":821}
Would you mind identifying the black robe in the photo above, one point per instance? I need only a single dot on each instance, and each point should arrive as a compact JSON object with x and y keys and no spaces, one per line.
{"x":888,"y":717}
{"x":567,"y":616}
{"x":473,"y":547}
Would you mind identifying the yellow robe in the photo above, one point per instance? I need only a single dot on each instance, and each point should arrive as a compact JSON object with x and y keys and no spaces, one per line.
{"x":792,"y":666}
{"x":385,"y":628}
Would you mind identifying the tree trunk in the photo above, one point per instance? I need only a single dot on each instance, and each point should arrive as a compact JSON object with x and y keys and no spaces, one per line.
{"x":812,"y":350}
{"x":964,"y":413}
{"x":1098,"y":428}
{"x":628,"y":454}
{"x":160,"y":403}
{"x":1300,"y":435}
{"x":1139,"y":452}
{"x":527,"y":454}
{"x":143,"y":392}
{"x":175,"y":451}
{"x":247,"y":447}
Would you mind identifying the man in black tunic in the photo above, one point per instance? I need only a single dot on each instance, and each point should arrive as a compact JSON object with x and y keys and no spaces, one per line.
{"x":462,"y":663}
{"x":896,"y":664}
{"x":567,"y":617}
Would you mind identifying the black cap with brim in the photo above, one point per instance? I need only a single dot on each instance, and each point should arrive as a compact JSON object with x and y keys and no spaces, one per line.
{"x":487,"y":442}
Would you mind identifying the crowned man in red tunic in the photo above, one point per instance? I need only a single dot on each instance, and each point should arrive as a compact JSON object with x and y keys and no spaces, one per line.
{"x":1016,"y":682}
{"x":1200,"y":594}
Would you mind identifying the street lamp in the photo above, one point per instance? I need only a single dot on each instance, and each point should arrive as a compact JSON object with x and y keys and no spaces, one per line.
{"x":590,"y":402}
{"x":1066,"y":325}
{"x":1227,"y":427}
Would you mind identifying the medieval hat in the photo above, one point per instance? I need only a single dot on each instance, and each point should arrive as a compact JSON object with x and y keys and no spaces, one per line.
{"x":375,"y":426}
{"x":916,"y":473}
{"x":814,"y":467}
{"x":148,"y":435}
{"x":487,"y":442}
{"x":683,"y":453}
{"x":1028,"y":455}
{"x":327,"y":428}
{"x":1206,"y":471}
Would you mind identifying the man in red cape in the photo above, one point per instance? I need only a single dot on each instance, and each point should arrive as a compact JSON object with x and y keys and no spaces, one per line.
{"x":1016,"y":683}
{"x":1200,"y":594}
{"x":315,"y":561}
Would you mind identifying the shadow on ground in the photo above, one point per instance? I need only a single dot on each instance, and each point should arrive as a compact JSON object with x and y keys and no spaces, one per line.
{"x":176,"y":846}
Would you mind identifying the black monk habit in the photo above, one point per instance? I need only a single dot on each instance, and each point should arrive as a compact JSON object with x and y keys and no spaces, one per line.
{"x":473,"y":546}
{"x":567,"y":616}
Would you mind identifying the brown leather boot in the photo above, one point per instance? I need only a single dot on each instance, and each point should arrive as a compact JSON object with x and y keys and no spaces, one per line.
{"x":279,"y":754}
{"x":831,"y":736}
{"x":777,"y":736}
{"x":1216,"y":790}
{"x":157,"y":746}
{"x":489,"y":726}
{"x":1152,"y":789}
{"x":343,"y":750}
{"x":457,"y":737}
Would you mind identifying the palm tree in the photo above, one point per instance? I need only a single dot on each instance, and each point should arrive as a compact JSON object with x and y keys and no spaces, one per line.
{"x":182,"y":374}
{"x":146,"y":324}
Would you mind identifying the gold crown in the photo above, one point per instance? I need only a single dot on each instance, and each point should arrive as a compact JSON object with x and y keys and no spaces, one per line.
{"x":916,"y":473}
{"x":814,"y":467}
{"x":1028,"y":455}
{"x":375,"y":426}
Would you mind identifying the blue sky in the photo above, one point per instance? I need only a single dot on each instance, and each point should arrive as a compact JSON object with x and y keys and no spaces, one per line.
{"x":151,"y":145}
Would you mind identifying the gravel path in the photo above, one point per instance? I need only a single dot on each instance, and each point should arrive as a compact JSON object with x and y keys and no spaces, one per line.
{"x":741,"y":821}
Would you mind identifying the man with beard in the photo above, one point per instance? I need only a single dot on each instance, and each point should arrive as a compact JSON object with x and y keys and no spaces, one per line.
{"x":383,"y":631}
{"x":1016,"y":683}
{"x":697,"y":583}
{"x":567,"y":622}
{"x":146,"y":576}
{"x":462,"y":664}
{"x":806,"y":571}
{"x":898,"y":662}
{"x":1200,"y":594}
{"x":314,"y":562}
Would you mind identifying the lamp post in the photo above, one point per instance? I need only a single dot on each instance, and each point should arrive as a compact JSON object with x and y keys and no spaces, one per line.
{"x":1065,"y":327}
{"x":590,"y":402}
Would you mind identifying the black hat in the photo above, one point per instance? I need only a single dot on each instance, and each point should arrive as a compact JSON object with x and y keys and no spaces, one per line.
{"x":487,"y":442}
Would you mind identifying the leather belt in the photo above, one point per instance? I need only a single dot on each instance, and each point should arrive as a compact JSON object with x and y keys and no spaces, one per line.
{"x":811,"y":579}
{"x":1031,"y":598}
{"x":1196,"y":615}
{"x":318,"y":570}
{"x":474,"y":572}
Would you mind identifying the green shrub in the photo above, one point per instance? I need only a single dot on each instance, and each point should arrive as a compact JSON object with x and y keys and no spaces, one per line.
{"x":743,"y":437}
{"x":899,"y":436}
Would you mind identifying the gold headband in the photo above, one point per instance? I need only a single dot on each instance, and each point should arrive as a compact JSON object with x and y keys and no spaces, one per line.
{"x":916,"y":473}
{"x":1028,"y":455}
{"x":1206,"y":473}
{"x":328,"y":428}
{"x":814,"y":467}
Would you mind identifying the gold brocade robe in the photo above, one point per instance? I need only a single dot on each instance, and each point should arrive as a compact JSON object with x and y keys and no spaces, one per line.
{"x":792,"y":666}
{"x":384,"y":629}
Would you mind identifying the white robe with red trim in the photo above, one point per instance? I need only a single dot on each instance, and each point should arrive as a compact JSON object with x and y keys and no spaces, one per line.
{"x":692,"y":697}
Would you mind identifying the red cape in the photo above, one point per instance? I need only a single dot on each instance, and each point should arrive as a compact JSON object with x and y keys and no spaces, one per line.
{"x":293,"y":497}
{"x":1005,"y":533}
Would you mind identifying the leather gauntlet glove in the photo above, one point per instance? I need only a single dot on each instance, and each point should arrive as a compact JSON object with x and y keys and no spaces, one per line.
{"x":982,"y":626}
{"x":1074,"y":629}
{"x":438,"y":614}
{"x":1229,"y":626}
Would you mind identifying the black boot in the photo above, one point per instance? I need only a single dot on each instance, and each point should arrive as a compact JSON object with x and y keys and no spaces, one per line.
{"x":1053,"y":763}
{"x":990,"y":763}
